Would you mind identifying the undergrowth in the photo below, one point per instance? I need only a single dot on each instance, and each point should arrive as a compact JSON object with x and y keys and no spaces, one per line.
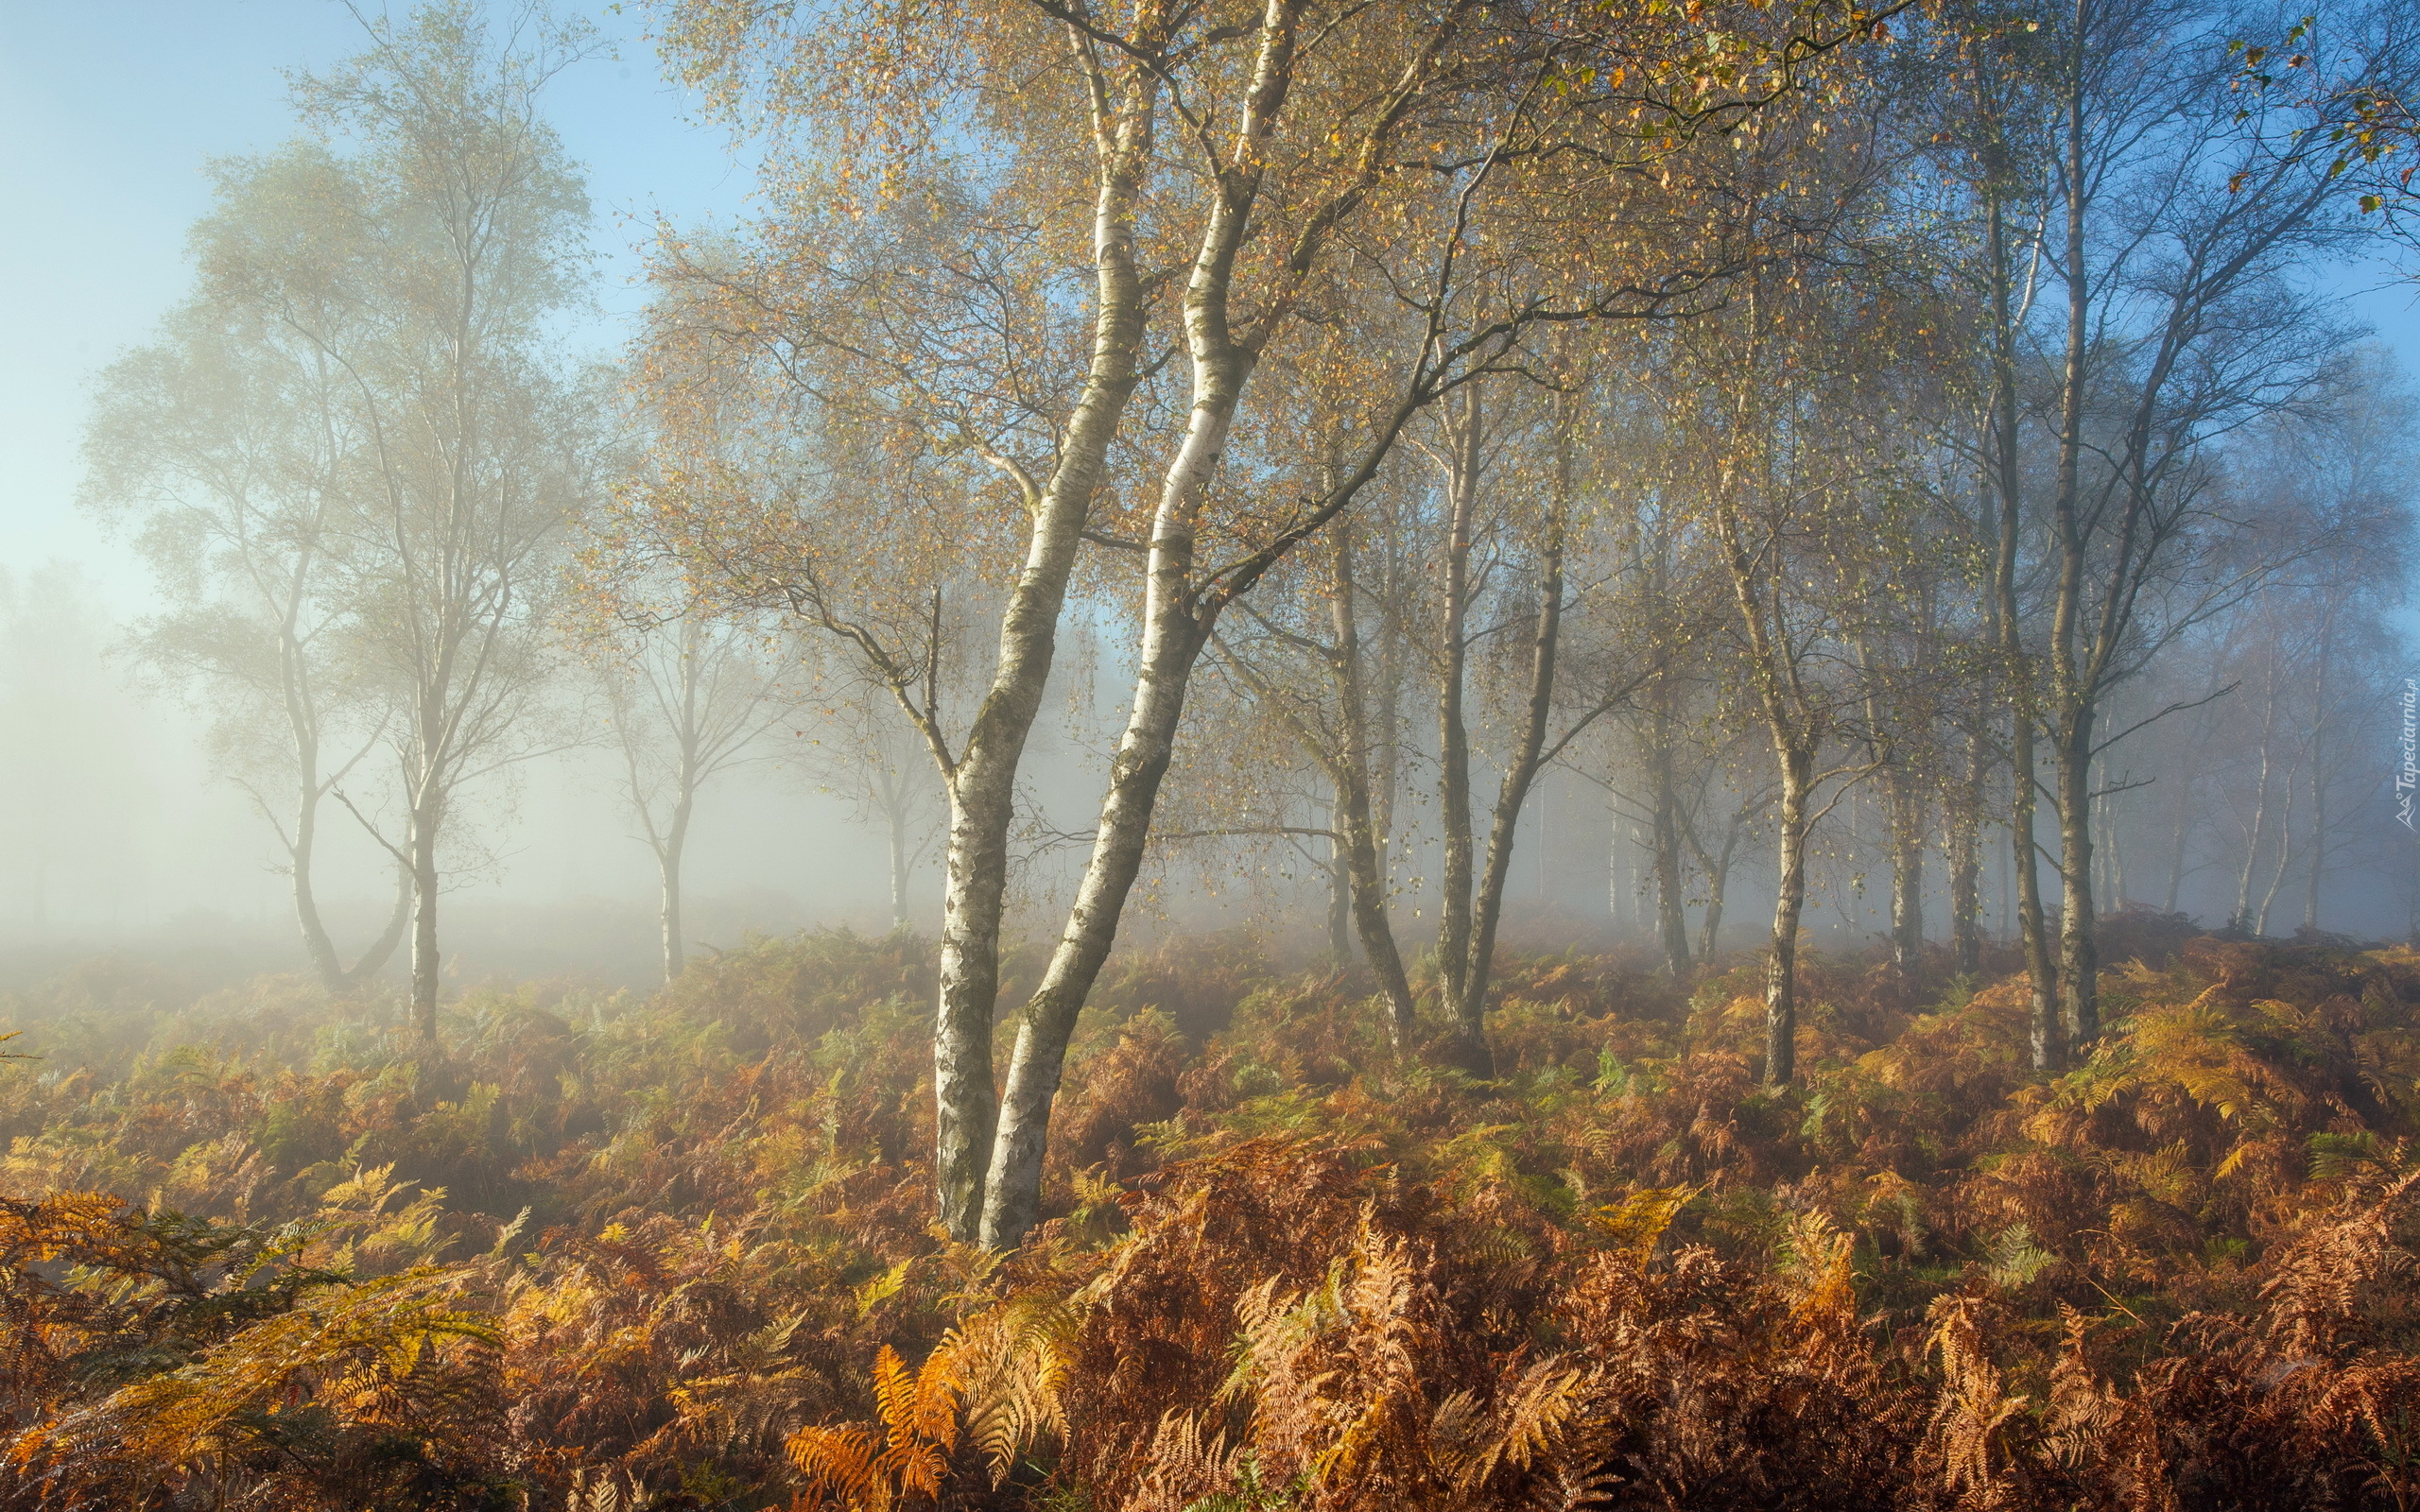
{"x":620,"y":1253}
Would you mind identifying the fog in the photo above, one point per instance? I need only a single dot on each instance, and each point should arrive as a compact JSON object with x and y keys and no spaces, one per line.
{"x":134,"y":832}
{"x":135,"y":843}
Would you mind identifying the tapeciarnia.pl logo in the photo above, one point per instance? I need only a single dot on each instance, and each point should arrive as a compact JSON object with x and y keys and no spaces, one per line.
{"x":2407,"y":777}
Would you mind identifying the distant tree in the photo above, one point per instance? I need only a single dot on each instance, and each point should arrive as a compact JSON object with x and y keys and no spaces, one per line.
{"x":2183,"y":211}
{"x":856,"y":748}
{"x":458,"y":235}
{"x":355,"y":453}
{"x":688,"y":696}
{"x":233,"y":440}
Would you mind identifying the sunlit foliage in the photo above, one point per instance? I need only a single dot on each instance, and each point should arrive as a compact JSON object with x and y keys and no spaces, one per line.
{"x":676,"y":1253}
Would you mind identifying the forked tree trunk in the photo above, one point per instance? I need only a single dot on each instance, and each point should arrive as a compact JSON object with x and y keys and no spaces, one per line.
{"x":310,"y":792}
{"x":982,"y":782}
{"x":1469,"y":1003}
{"x":1176,"y":628}
{"x":1172,"y":642}
{"x":316,"y":944}
{"x":382,"y":950}
{"x":333,"y":973}
{"x":1717,"y":880}
{"x":1173,"y":639}
{"x":1717,"y":866}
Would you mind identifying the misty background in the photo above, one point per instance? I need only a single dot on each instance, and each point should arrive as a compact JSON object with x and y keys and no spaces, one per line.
{"x":121,"y":837}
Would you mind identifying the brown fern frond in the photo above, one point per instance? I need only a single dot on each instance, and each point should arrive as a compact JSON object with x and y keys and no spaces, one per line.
{"x":1972,"y":1408}
{"x":2315,"y":1284}
{"x":1009,"y":1363}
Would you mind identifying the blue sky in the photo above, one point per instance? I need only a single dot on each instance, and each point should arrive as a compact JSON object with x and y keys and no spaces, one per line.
{"x":110,"y":110}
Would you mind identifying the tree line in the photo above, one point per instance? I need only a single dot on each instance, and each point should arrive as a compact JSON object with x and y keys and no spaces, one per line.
{"x":1866,"y":435}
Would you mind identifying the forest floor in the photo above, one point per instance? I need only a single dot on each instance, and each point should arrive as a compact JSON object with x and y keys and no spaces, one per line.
{"x":620,"y":1252}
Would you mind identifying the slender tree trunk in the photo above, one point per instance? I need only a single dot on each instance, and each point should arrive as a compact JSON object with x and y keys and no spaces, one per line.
{"x":1797,"y":763}
{"x":1717,"y":880}
{"x":1615,"y":880}
{"x":2075,"y":685}
{"x":2048,"y":1048}
{"x":1172,"y":640}
{"x":1967,"y":859}
{"x":1792,"y":722}
{"x":1902,"y":811}
{"x":1347,"y":761}
{"x":2032,"y":929}
{"x":668,"y":860}
{"x":302,"y":726}
{"x":898,"y":827}
{"x":982,"y":782}
{"x":1365,"y":871}
{"x":1453,"y":735}
{"x":1671,"y":901}
{"x":2115,"y":849}
{"x":1339,"y":888}
{"x":1907,"y":903}
{"x":1384,"y":736}
{"x":1470,"y":1004}
{"x":1366,"y":876}
{"x":2079,"y":951}
{"x":2242,"y":917}
{"x":1717,"y":868}
{"x":2320,"y":710}
{"x":2317,"y":844}
{"x":2285,"y":852}
{"x":1377,"y":931}
{"x":421,"y":842}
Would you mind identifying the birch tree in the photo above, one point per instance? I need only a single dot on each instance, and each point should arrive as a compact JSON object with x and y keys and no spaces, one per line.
{"x":479,"y":450}
{"x":2180,"y":210}
{"x":689,"y":696}
{"x":1309,"y":193}
{"x":235,"y":441}
{"x":1224,"y":161}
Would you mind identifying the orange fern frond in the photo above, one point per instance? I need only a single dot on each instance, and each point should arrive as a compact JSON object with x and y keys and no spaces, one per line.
{"x":841,"y":1464}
